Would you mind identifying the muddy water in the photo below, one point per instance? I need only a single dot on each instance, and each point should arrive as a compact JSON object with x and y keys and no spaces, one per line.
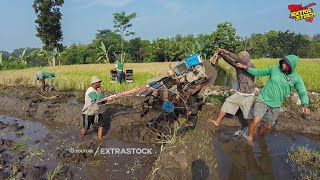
{"x":223,"y":79}
{"x":267,"y":159}
{"x":31,"y":132}
{"x":47,"y":145}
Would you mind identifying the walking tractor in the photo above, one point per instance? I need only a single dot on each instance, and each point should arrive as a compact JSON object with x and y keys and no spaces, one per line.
{"x":175,"y":96}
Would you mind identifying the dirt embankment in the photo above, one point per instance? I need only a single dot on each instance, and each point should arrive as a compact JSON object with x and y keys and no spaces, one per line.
{"x":189,"y":155}
{"x":54,"y":106}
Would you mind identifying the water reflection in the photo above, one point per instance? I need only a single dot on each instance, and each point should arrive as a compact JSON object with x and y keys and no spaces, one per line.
{"x":223,"y":79}
{"x":265,"y":160}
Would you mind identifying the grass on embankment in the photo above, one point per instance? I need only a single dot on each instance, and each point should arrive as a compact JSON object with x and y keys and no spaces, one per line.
{"x":309,"y":69}
{"x":306,"y":161}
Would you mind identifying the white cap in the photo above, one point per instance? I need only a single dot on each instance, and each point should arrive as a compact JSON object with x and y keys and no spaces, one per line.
{"x":95,"y":79}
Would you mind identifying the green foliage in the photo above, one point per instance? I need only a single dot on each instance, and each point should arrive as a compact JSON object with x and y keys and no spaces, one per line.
{"x":104,"y":48}
{"x":48,"y":22}
{"x":225,"y":37}
{"x":122,"y":24}
{"x":22,"y":57}
{"x":12,"y":65}
{"x":277,"y":44}
{"x":77,"y":54}
{"x":49,"y":26}
{"x":103,"y":54}
{"x":215,"y":99}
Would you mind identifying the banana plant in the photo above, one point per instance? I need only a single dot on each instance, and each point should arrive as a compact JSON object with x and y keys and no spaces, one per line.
{"x":46,"y":55}
{"x":22,"y":57}
{"x":103,"y":54}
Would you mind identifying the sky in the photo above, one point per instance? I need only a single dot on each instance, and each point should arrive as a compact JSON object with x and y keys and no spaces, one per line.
{"x":155,"y":19}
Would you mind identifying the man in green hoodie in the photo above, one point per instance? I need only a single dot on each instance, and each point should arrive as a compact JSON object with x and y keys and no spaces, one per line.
{"x":282,"y":79}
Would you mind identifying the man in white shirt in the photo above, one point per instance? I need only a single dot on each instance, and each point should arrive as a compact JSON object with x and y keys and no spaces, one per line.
{"x":91,"y":108}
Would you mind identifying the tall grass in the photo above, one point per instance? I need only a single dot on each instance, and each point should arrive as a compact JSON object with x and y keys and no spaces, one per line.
{"x":309,"y":69}
{"x":78,"y":76}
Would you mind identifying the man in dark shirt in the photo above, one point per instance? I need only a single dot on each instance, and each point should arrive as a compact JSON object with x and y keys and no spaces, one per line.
{"x":244,"y":96}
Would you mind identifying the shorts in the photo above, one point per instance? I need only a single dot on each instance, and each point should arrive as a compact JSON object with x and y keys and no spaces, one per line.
{"x":265,"y":112}
{"x":88,"y":120}
{"x":236,"y":101}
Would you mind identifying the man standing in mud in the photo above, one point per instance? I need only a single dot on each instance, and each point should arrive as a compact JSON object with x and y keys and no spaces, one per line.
{"x":282,"y":79}
{"x":91,"y":108}
{"x":243,"y":98}
{"x":41,"y":76}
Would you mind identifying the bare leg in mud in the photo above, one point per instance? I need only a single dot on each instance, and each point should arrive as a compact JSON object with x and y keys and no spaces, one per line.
{"x":252,"y":129}
{"x":42,"y":86}
{"x":100,"y":130}
{"x":264,"y":129}
{"x":218,"y":120}
{"x":83,"y":132}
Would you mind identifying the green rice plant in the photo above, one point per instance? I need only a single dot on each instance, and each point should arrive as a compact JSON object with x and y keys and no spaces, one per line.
{"x":15,"y":171}
{"x":306,"y":161}
{"x":17,"y":146}
{"x":78,"y":76}
{"x":55,"y":172}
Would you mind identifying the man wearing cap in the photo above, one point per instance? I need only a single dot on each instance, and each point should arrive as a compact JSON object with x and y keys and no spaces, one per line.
{"x":41,"y":76}
{"x":91,"y":108}
{"x":243,"y":98}
{"x":282,"y":79}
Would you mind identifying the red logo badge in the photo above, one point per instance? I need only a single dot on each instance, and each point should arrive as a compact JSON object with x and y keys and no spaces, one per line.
{"x":298,"y":12}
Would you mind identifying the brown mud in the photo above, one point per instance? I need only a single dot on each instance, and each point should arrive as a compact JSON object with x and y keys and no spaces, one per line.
{"x":54,"y":127}
{"x":34,"y":150}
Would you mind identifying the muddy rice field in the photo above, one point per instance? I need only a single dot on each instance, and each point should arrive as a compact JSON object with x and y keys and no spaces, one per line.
{"x":40,"y":139}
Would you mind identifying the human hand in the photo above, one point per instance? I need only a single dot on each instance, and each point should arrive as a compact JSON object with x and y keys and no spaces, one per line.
{"x":223,"y":51}
{"x":99,"y":90}
{"x":218,"y":51}
{"x":305,"y":111}
{"x":241,"y":66}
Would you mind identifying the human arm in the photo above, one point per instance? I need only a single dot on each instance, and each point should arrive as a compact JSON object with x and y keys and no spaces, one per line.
{"x":233,"y":56}
{"x":226,"y":57}
{"x":229,"y":60}
{"x":303,"y":95}
{"x":95,"y":96}
{"x":256,"y":72}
